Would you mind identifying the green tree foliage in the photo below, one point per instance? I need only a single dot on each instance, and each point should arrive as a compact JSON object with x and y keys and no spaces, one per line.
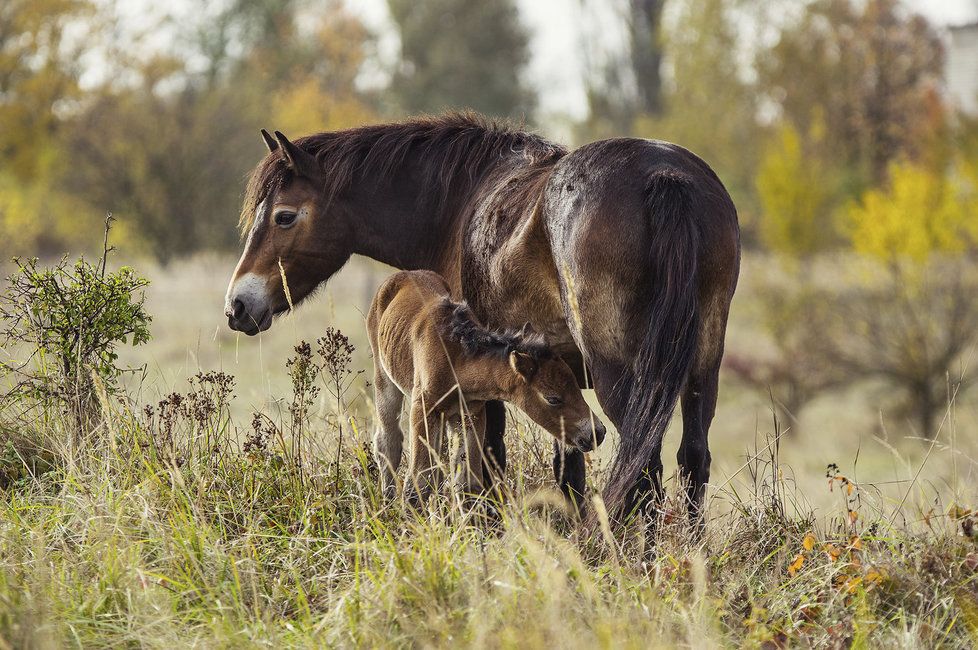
{"x":168,"y":156}
{"x":869,"y":69}
{"x":460,"y":54}
{"x":795,"y":191}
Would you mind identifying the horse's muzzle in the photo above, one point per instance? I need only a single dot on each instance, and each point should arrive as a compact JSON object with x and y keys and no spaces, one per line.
{"x":241,"y":319}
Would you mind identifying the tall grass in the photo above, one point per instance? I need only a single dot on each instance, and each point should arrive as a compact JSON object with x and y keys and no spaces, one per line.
{"x":175,"y":525}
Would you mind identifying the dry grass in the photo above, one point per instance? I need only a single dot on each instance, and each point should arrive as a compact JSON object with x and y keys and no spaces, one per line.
{"x":208,"y":532}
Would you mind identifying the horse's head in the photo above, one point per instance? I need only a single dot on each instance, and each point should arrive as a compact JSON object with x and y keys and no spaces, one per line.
{"x":547,"y":391}
{"x":293,"y":244}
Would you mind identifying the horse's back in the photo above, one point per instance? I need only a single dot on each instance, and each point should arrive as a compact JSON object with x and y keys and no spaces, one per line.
{"x":614,"y":208}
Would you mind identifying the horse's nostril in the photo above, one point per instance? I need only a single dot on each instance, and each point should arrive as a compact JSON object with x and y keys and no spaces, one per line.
{"x":238,"y":309}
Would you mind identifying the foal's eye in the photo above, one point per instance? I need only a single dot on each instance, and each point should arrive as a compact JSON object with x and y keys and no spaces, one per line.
{"x":553,"y":400}
{"x":284,"y":218}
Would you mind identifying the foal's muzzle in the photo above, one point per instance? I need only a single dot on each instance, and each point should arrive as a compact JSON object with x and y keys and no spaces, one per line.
{"x":590,"y":437}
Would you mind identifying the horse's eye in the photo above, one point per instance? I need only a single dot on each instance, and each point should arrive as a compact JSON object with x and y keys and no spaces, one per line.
{"x":284,"y":218}
{"x":553,"y":400}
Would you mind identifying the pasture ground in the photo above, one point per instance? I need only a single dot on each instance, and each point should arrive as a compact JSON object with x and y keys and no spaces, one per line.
{"x":214,"y":528}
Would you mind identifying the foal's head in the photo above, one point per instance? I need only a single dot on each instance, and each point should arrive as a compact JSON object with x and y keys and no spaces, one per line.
{"x":540,"y":383}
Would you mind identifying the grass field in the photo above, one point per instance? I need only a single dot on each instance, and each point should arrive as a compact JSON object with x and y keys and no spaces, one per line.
{"x":207,"y":527}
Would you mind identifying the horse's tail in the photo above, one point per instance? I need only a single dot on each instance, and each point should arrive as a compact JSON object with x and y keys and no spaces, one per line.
{"x":667,"y":351}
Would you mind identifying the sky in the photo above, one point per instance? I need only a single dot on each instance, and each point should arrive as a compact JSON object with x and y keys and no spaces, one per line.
{"x":556,"y":68}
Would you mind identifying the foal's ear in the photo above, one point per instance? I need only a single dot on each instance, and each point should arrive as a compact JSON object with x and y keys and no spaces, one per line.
{"x":523,"y":364}
{"x":527,"y":330}
{"x":300,"y":161}
{"x":269,"y":141}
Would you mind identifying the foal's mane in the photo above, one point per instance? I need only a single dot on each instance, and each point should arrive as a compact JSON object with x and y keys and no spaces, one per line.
{"x":454,"y":149}
{"x":462,"y":328}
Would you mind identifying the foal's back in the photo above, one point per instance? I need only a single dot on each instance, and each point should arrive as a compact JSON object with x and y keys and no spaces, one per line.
{"x":403,"y":316}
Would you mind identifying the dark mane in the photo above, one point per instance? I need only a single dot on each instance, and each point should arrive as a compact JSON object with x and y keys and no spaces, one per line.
{"x":462,"y":328}
{"x":457,"y":147}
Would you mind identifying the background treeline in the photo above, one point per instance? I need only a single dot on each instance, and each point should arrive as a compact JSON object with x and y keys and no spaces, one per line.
{"x":828,"y":121}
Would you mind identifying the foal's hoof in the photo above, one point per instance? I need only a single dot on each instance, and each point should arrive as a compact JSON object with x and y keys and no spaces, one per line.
{"x":415,"y":498}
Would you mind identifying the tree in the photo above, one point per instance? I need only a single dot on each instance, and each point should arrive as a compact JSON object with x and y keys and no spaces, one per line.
{"x":169,"y":167}
{"x":916,"y":321}
{"x":40,"y":41}
{"x":645,"y":48}
{"x":797,"y":366}
{"x":622,"y":83}
{"x":38,"y":71}
{"x":458,"y":54}
{"x":868,"y":69}
{"x":796,"y":193}
{"x":918,"y":214}
{"x":708,"y":107}
{"x":168,"y":159}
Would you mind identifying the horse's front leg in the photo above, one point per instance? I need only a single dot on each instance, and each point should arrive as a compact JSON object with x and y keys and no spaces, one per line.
{"x":494,"y":454}
{"x":570,"y":474}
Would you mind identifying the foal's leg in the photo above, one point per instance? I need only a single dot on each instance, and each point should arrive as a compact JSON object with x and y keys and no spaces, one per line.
{"x":388,"y":437}
{"x":473,"y":430}
{"x":426,"y":443}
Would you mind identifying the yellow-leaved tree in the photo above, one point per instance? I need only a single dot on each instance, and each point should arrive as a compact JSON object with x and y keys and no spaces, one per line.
{"x":920,"y":212}
{"x":796,"y":191}
{"x":914,"y":325}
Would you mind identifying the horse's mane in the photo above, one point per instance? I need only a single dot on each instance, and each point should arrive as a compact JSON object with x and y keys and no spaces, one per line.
{"x":458,"y":147}
{"x":463,"y":328}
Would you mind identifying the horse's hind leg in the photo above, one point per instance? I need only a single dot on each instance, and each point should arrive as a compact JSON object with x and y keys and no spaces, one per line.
{"x":388,"y":436}
{"x":699,"y":401}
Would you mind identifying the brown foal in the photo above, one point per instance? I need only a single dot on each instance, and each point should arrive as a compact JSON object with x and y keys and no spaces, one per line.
{"x":435,"y":352}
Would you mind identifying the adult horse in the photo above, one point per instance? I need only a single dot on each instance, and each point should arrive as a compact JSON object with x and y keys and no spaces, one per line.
{"x":624,"y":252}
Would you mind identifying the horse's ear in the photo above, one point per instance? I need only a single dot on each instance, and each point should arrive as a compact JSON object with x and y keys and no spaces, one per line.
{"x":523,"y":364}
{"x":300,"y":161}
{"x":527,"y":329}
{"x":269,"y":141}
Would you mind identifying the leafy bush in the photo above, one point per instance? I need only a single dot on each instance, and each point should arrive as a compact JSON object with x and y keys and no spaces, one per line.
{"x":66,"y":323}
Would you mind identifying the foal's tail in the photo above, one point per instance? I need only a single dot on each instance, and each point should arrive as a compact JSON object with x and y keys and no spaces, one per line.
{"x":668,"y":348}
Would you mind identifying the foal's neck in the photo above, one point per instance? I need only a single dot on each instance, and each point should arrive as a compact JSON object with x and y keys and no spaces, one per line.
{"x":487,"y":378}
